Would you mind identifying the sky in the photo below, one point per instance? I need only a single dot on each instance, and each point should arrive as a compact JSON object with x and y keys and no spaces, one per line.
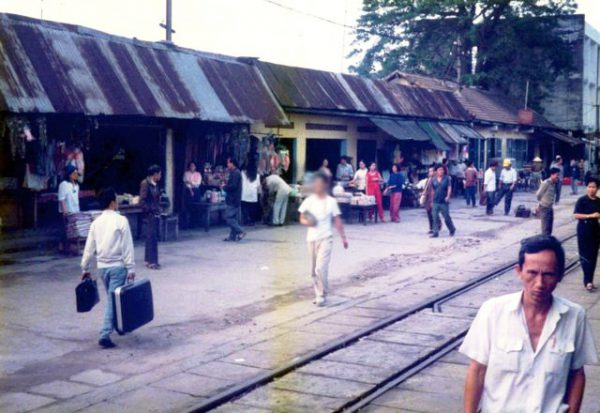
{"x":280,"y":31}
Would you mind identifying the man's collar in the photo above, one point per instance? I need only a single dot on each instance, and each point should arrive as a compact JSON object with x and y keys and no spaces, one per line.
{"x":516,"y":303}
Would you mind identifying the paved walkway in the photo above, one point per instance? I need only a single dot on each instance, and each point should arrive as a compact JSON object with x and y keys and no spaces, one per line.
{"x":226,"y":312}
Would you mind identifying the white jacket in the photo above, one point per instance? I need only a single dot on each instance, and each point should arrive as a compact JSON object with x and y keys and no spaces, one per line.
{"x":110,"y":240}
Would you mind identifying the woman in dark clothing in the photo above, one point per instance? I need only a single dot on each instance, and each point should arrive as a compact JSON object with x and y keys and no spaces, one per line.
{"x":395,"y":184}
{"x":587,"y":213}
{"x":150,"y":203}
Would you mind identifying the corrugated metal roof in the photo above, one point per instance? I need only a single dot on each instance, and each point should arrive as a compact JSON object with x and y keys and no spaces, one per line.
{"x":467,"y":132}
{"x":496,"y":108}
{"x":436,"y":138}
{"x":52,"y":67}
{"x":450,"y":134}
{"x":309,"y":89}
{"x":563,"y":137}
{"x":401,"y":130}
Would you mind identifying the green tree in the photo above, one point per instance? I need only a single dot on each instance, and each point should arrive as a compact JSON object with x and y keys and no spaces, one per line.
{"x":496,"y":44}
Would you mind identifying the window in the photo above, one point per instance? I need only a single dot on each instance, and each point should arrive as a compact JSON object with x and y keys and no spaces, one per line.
{"x":517,"y":149}
{"x":494,"y":148}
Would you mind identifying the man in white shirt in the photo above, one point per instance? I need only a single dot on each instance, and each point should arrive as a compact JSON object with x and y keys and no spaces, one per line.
{"x":360,"y":177}
{"x":318,"y":212}
{"x":528,"y":349}
{"x":489,"y":184}
{"x":110,"y":240}
{"x":68,"y":192}
{"x":275,"y":184}
{"x":508,"y":182}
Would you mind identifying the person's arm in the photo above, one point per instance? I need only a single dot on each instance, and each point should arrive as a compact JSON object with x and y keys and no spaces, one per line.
{"x":88,"y":252}
{"x":61,"y":198}
{"x":338,"y":172}
{"x":144,"y":195}
{"x":575,"y":388}
{"x":339,"y":226}
{"x":128,"y":251}
{"x":543,"y":188}
{"x":474,"y":386}
{"x":449,"y":194}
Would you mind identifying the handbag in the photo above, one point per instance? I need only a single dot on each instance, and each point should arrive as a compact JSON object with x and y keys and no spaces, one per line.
{"x":86,"y":294}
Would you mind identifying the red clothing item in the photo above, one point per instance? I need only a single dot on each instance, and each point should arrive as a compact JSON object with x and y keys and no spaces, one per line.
{"x":470,"y":177}
{"x":374,"y":180}
{"x":395,"y":201}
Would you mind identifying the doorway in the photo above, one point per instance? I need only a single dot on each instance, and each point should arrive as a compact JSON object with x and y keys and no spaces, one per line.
{"x":319,"y":149}
{"x":290,"y":144}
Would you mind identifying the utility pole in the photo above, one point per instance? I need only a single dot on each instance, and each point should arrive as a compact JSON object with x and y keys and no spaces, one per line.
{"x":169,"y":22}
{"x":459,"y":56}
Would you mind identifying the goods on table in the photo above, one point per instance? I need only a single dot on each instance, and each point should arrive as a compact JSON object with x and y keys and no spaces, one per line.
{"x":214,"y":196}
{"x":344,"y":197}
{"x":362,"y":200}
{"x":78,"y":224}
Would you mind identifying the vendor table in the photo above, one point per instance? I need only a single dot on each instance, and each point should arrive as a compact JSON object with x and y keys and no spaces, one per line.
{"x":206,"y":208}
{"x":361,"y":211}
{"x":134,"y":214}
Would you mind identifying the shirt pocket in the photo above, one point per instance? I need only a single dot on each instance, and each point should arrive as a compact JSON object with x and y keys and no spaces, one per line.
{"x":508,"y":355}
{"x":560,"y":357}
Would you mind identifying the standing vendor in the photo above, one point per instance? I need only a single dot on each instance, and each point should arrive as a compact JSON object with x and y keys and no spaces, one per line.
{"x":150,"y":203}
{"x":344,"y":171}
{"x":68,"y":192}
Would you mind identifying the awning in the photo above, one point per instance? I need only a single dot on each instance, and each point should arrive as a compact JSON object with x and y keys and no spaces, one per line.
{"x":563,"y":137}
{"x":435,"y":137}
{"x":401,"y":129}
{"x":468,"y":132}
{"x":450,"y":135}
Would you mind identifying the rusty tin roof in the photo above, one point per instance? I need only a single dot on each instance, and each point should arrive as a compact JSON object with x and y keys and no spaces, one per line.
{"x":49,"y":67}
{"x":308,"y":89}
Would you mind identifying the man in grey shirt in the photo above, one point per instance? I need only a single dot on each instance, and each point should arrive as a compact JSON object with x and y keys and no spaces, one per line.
{"x":558,"y":164}
{"x":546,"y":196}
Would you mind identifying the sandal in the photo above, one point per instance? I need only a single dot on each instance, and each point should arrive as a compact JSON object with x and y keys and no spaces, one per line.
{"x":153,"y":266}
{"x":590,"y":288}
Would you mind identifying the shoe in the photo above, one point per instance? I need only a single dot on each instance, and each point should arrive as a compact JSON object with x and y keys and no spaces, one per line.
{"x":320,"y":301}
{"x":452,"y":233}
{"x":434,"y":235}
{"x":430,"y":232}
{"x":240,"y":236}
{"x":228,"y":239}
{"x":106,"y":343}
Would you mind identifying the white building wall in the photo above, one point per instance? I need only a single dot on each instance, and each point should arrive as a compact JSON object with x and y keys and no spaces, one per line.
{"x":591,"y":78}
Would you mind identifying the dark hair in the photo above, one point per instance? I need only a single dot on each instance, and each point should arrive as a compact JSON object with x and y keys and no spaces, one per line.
{"x":323,"y":177}
{"x":233,"y":161}
{"x":469,"y":163}
{"x":593,"y":179}
{"x":396,"y":165}
{"x":554,"y":171}
{"x":154,"y":169}
{"x":493,"y":163}
{"x":438,"y":166}
{"x":445,"y":160}
{"x":106,"y":196}
{"x":539,"y":243}
{"x":190,"y":164}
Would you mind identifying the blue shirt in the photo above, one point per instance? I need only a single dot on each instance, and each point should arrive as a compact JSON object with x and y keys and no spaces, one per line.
{"x":441,"y":189}
{"x":396,"y":179}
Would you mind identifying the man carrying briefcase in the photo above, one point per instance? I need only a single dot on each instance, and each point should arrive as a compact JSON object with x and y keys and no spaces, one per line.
{"x":110,"y":240}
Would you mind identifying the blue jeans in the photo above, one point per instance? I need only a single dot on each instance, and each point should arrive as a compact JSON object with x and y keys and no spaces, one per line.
{"x":470,"y":195}
{"x":112,"y":278}
{"x":443,"y":209}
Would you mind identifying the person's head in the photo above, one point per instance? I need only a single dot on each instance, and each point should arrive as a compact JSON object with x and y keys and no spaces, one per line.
{"x":469,"y":163}
{"x":540,"y":267}
{"x":154,"y":173}
{"x":107,"y":198}
{"x":581,"y":162}
{"x":395,"y":168}
{"x":506,"y":163}
{"x":71,"y":173}
{"x":431,"y":171}
{"x":573,"y":162}
{"x":231,"y":164}
{"x":591,"y":186}
{"x":321,"y":184}
{"x":373,"y":167}
{"x":445,"y":161}
{"x":439,"y":169}
{"x":343,"y":161}
{"x":559,"y":160}
{"x":493,"y":165}
{"x":362,"y":164}
{"x":554,"y":173}
{"x":325,"y":163}
{"x":192,"y":166}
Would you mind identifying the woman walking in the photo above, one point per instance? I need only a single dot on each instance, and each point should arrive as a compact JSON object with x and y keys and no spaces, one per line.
{"x":374,"y":180}
{"x":428,"y":192}
{"x":250,"y":195}
{"x":587,"y":213}
{"x":395,"y":184}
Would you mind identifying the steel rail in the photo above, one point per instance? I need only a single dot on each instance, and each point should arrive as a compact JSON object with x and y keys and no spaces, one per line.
{"x":267,"y":377}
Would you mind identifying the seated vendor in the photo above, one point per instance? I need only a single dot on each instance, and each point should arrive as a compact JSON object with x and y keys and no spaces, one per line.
{"x":192,"y":180}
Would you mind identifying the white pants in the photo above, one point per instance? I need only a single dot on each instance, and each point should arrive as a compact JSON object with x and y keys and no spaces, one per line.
{"x":280,"y":207}
{"x":320,"y":255}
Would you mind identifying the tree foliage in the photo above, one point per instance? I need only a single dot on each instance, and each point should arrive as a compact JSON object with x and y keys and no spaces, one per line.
{"x":496,"y":44}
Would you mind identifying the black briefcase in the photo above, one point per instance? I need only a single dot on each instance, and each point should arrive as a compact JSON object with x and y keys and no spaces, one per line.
{"x":133,"y":306}
{"x":86,"y":294}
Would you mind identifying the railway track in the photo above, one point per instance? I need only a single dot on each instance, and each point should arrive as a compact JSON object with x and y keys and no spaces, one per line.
{"x":347,"y":374}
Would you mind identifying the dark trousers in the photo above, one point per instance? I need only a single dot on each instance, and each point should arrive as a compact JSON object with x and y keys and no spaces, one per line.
{"x":547,"y":218}
{"x":588,"y":243}
{"x":558,"y":189}
{"x":491,"y":201}
{"x":250,"y":212}
{"x":443,"y":209}
{"x":430,"y":219}
{"x":232,"y":215}
{"x":151,"y":251}
{"x":507,"y":193}
{"x":470,"y":195}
